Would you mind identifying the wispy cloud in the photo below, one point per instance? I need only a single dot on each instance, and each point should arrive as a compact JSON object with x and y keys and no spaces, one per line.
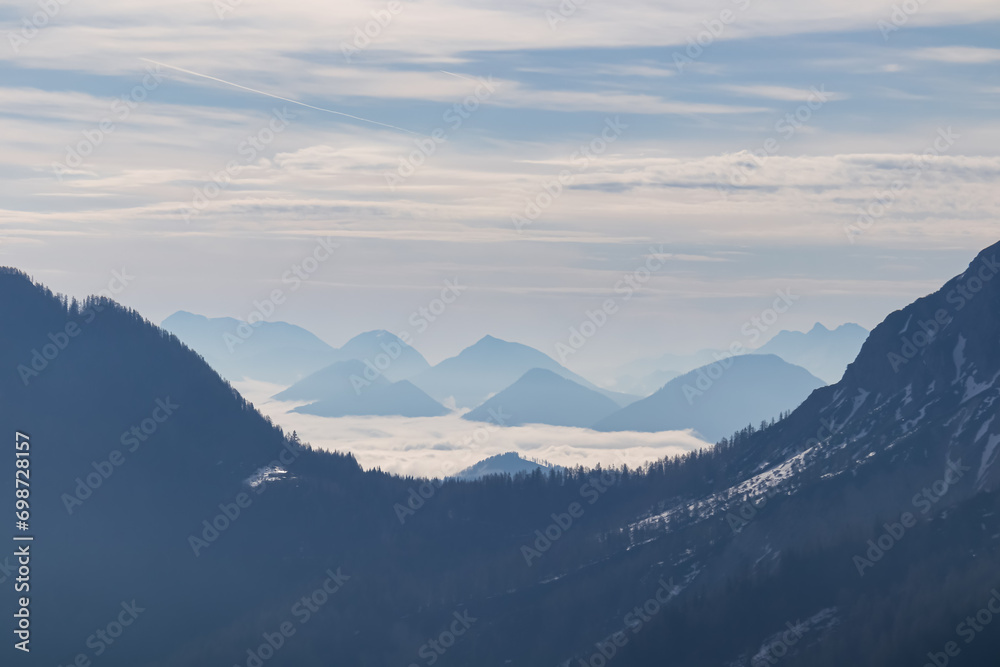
{"x":966,"y":55}
{"x":784,"y":93}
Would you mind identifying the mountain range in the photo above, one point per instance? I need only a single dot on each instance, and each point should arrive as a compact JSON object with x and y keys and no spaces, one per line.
{"x":490,"y":366}
{"x":283,"y":353}
{"x":271,"y":351}
{"x":352,"y":388}
{"x":492,"y":374}
{"x":823,"y":352}
{"x":861,"y":529}
{"x":543,"y":397}
{"x":719,"y":399}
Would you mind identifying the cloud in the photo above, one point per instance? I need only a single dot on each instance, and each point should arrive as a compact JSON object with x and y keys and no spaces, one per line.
{"x":609,"y":102}
{"x":785,"y":93}
{"x":592,"y":70}
{"x":965,"y":55}
{"x":441,"y":446}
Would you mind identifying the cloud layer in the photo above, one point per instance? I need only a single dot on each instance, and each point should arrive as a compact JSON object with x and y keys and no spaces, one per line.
{"x":443,"y":446}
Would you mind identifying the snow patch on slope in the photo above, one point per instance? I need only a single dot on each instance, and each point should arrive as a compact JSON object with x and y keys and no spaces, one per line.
{"x":959,"y":356}
{"x":973,"y":388}
{"x":984,"y":428}
{"x":265,"y":476}
{"x":765,"y":483}
{"x":989,"y":457}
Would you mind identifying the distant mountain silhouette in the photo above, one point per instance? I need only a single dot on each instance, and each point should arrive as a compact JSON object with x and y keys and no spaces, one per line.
{"x":490,"y":366}
{"x":352,"y":388}
{"x":638,"y":374}
{"x":386,"y":353}
{"x":823,"y":352}
{"x":719,"y":399}
{"x":271,"y":351}
{"x":510,"y":463}
{"x":645,"y":384}
{"x":283,"y":353}
{"x":543,"y":397}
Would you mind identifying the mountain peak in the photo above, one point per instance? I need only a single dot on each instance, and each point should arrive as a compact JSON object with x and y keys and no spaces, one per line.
{"x":489,"y":366}
{"x":374,"y":333}
{"x":718,"y":399}
{"x":541,"y":396}
{"x":182,"y":316}
{"x":490,"y":340}
{"x":509,"y":463}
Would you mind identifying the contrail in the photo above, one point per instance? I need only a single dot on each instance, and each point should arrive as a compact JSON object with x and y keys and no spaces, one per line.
{"x":278,"y":97}
{"x":458,"y":75}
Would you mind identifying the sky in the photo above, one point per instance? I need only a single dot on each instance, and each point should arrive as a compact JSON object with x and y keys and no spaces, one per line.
{"x":683,"y":162}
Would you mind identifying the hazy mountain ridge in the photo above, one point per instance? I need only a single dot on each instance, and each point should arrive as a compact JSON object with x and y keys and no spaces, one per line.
{"x":478,"y":374}
{"x":271,"y":351}
{"x":823,"y":352}
{"x":541,"y":396}
{"x":284,"y":353}
{"x":353,"y":388}
{"x":720,"y":398}
{"x":490,"y":366}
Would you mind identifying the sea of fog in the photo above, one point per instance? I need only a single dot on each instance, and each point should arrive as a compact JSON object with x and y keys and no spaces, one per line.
{"x":443,"y":446}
